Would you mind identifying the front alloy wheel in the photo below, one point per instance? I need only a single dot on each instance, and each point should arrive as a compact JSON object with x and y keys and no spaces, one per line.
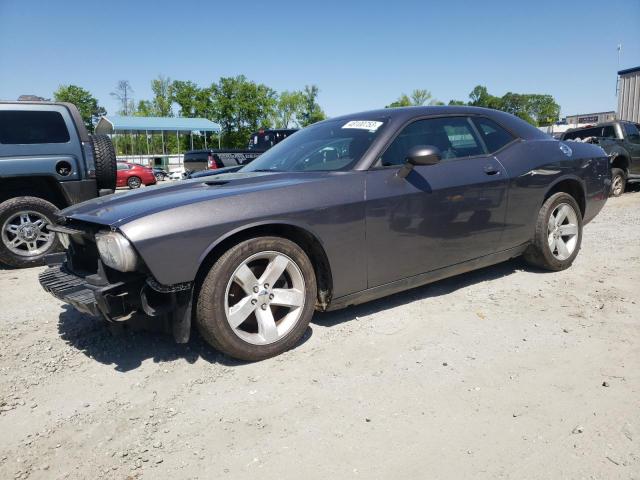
{"x":263,"y":310}
{"x":267,"y":301}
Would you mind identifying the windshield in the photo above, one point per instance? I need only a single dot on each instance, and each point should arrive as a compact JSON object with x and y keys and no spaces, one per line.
{"x":327,"y":146}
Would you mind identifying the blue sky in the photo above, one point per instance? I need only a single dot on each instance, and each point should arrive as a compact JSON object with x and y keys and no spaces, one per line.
{"x":362,"y":55}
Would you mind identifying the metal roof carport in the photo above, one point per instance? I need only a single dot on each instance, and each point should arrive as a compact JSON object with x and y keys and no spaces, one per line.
{"x":124,"y":125}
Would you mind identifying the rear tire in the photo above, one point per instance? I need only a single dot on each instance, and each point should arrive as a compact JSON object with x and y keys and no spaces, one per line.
{"x":618,"y":182}
{"x":24,"y":239}
{"x":277,"y":306}
{"x":558,"y":234}
{"x":134,"y":182}
{"x":105,"y":159}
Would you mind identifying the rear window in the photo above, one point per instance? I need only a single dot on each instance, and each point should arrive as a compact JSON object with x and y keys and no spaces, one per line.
{"x":196,"y":156}
{"x":29,"y":127}
{"x":584,"y":133}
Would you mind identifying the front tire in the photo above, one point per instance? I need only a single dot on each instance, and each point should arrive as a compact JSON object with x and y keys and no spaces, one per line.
{"x":258,"y":298}
{"x":618,"y":182}
{"x":24,"y":238}
{"x":558,"y":234}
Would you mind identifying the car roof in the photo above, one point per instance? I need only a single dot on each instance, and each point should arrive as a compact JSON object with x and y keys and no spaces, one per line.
{"x":402,"y":115}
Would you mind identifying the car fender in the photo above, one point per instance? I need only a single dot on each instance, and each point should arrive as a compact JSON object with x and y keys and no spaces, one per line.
{"x":262,"y":223}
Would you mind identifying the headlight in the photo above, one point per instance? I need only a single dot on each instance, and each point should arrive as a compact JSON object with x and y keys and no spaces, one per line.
{"x":116,"y":251}
{"x":64,"y":240}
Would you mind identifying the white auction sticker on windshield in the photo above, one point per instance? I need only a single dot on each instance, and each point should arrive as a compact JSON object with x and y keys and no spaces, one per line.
{"x":370,"y":125}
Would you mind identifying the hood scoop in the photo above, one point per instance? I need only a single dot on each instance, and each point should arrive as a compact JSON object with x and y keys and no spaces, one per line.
{"x":216,"y":183}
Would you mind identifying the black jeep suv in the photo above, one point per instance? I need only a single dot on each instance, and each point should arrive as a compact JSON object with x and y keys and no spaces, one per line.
{"x":48,"y":161}
{"x":621,"y":141}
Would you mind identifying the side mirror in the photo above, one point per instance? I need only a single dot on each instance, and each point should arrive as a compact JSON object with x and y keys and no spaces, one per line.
{"x":420,"y":155}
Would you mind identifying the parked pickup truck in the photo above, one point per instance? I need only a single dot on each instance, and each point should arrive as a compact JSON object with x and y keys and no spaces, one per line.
{"x":260,"y":142}
{"x":621,"y":141}
{"x":48,"y":161}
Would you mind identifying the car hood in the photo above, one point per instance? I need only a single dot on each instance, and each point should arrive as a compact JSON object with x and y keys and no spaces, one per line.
{"x":120,"y":208}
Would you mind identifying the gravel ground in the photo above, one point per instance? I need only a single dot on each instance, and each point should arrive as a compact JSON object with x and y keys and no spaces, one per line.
{"x":501,"y":373}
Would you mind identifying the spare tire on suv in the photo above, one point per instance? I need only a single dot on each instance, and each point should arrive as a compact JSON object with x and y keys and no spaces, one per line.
{"x":105,"y":159}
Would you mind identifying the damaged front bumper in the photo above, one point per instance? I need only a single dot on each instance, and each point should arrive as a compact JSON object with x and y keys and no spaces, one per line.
{"x":119,"y":300}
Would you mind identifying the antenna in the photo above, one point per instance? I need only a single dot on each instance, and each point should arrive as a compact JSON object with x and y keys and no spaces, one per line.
{"x":619,"y":54}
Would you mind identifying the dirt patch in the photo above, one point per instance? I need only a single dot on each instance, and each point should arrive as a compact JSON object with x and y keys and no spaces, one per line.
{"x":505,"y":372}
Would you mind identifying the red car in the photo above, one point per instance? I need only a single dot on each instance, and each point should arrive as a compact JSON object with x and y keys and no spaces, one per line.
{"x":133,"y":175}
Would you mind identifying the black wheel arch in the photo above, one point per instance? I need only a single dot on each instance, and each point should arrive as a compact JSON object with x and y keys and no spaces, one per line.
{"x":43,"y":186}
{"x":574,"y":186}
{"x":297,"y":234}
{"x":620,"y":159}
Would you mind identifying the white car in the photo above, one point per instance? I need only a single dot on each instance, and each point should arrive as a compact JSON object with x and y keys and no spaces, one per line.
{"x":177,"y":174}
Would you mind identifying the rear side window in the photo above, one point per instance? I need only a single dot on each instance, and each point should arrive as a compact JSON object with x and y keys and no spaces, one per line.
{"x":609,"y":132}
{"x":633,"y":135}
{"x":495,"y":137}
{"x":29,"y":127}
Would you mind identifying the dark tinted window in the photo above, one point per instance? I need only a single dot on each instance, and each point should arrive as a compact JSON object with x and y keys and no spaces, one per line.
{"x":584,"y":133}
{"x":609,"y":132}
{"x":454,"y":136}
{"x":19,"y":127}
{"x":633,"y":135}
{"x":196,"y":156}
{"x":495,"y":137}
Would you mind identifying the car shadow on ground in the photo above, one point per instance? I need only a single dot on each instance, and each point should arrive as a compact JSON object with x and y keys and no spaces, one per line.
{"x":431,"y":290}
{"x":129,"y":344}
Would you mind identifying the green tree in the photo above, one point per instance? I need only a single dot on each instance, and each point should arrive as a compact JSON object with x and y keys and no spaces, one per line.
{"x":145,"y":109}
{"x":539,"y":110}
{"x":192,"y":100}
{"x":240,"y":107}
{"x":289,"y":106}
{"x":87,"y":104}
{"x":420,"y":97}
{"x":402,"y":101}
{"x":457,"y":102}
{"x":185,"y":94}
{"x":417,"y":98}
{"x":162,"y":100}
{"x":480,"y":97}
{"x":310,"y":111}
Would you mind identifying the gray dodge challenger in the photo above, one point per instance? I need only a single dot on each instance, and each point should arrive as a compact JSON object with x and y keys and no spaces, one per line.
{"x":344,"y":211}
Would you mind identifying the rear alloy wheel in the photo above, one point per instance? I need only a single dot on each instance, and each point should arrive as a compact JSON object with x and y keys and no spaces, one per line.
{"x":618,"y":182}
{"x":24,"y":237}
{"x":134,"y":182}
{"x":267,"y":301}
{"x":558,"y":233}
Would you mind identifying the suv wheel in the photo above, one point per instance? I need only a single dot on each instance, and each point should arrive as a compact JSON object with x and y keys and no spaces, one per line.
{"x":618,"y":182}
{"x":257,"y":299}
{"x":558,"y":234}
{"x":24,"y":238}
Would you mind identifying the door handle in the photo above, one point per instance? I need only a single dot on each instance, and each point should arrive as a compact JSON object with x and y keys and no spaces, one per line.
{"x":491,"y":170}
